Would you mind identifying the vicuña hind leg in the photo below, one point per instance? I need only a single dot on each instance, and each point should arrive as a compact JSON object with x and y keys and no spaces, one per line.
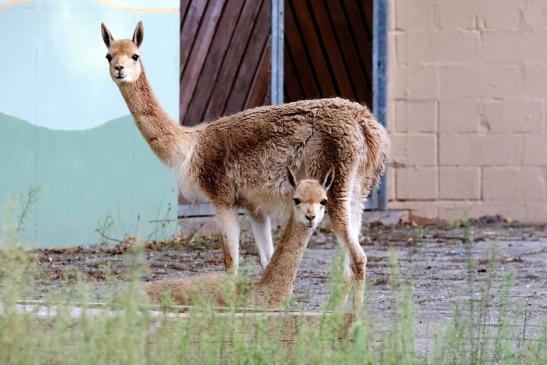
{"x":348,"y":274}
{"x":341,"y":218}
{"x":262,"y":232}
{"x":229,"y":228}
{"x":355,"y":227}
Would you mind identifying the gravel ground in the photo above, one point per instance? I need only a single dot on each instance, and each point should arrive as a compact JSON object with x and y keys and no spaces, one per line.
{"x":432,"y":259}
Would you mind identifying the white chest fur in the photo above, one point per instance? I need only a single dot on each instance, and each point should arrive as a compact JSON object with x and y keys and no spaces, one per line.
{"x":188,"y":185}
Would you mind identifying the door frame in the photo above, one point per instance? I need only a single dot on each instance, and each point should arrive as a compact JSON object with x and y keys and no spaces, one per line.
{"x":378,"y":198}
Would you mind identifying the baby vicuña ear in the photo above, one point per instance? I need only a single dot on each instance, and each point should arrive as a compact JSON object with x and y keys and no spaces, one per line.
{"x":138,"y":34}
{"x":329,"y":178}
{"x":291,"y":177}
{"x":107,"y":36}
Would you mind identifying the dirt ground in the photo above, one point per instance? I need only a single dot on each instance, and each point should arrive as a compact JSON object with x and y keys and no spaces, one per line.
{"x":432,"y":260}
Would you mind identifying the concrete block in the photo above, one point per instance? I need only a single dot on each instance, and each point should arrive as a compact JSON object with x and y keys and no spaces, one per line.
{"x":391,"y":183}
{"x":414,"y":149}
{"x":515,"y":115}
{"x":399,"y":151}
{"x":536,"y":212}
{"x":480,"y":150}
{"x":513,"y":184}
{"x":443,"y":47}
{"x":417,"y":183}
{"x":398,"y":80}
{"x":415,"y":15}
{"x":458,"y":210}
{"x":535,"y":79}
{"x":456,"y":14}
{"x":459,"y":115}
{"x":534,"y":15}
{"x":491,"y":14}
{"x":417,"y":208}
{"x":535,"y":150}
{"x":423,"y":82}
{"x":416,"y":116}
{"x":510,"y":47}
{"x":481,"y":14}
{"x":479,"y":81}
{"x":459,"y":183}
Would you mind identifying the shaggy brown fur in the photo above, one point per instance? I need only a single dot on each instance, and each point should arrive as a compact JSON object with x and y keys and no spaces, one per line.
{"x":239,"y":161}
{"x":211,"y":287}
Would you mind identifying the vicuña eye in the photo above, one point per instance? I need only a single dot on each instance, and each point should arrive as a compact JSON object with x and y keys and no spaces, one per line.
{"x":323,"y":202}
{"x":297,"y":201}
{"x":135,"y":57}
{"x":109,"y":57}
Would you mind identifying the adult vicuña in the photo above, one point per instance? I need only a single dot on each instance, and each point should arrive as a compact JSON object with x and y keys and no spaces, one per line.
{"x":277,"y":282}
{"x":239,"y":161}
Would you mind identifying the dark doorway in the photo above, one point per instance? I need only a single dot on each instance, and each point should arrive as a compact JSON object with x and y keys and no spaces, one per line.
{"x":328,"y":49}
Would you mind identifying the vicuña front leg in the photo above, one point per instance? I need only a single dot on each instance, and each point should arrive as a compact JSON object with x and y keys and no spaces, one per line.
{"x":229,"y":227}
{"x":262,"y":232}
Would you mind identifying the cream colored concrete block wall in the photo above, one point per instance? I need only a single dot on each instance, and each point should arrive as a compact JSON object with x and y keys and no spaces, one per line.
{"x":467,"y":108}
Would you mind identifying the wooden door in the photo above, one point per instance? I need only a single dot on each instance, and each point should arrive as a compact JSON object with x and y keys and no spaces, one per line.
{"x":328,"y":49}
{"x":224,"y":57}
{"x":225,"y":60}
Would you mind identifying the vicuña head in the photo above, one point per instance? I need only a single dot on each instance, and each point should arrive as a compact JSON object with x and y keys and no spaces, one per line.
{"x":123,"y":55}
{"x":310,"y":198}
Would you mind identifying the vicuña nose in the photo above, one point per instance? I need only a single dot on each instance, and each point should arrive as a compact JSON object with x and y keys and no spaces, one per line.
{"x":310,"y":217}
{"x":118,"y":68}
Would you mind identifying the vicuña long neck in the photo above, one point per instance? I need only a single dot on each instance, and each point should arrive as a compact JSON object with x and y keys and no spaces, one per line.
{"x":277,"y":282}
{"x":161,"y":133}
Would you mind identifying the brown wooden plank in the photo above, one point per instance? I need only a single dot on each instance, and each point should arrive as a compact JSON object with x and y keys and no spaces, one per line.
{"x":268,"y":96}
{"x":313,"y":46}
{"x":292,"y":86}
{"x":207,"y":79}
{"x":184,"y":5}
{"x":332,"y":50}
{"x":344,"y":37}
{"x":199,"y":53}
{"x":234,"y":55}
{"x":302,"y":64}
{"x":365,"y":8}
{"x":362,"y":42}
{"x":260,"y":84}
{"x":189,"y":29}
{"x":249,"y":63}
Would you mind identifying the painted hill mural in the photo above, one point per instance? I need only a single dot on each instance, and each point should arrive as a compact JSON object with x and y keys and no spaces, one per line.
{"x":65,"y":129}
{"x":57,"y":59}
{"x":86,"y":179}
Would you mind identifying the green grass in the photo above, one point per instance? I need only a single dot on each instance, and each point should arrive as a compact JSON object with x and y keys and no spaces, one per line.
{"x":127,"y":332}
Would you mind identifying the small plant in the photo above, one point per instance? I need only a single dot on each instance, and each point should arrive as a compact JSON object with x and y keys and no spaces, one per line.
{"x":104,"y":229}
{"x":27,"y":202}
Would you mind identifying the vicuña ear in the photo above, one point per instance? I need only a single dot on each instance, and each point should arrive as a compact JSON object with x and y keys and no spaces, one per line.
{"x":329,"y":178}
{"x":291,"y":177}
{"x":107,"y":36}
{"x":138,"y":34}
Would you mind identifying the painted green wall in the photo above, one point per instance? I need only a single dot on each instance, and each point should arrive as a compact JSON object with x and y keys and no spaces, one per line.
{"x":65,"y":129}
{"x":85,"y":177}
